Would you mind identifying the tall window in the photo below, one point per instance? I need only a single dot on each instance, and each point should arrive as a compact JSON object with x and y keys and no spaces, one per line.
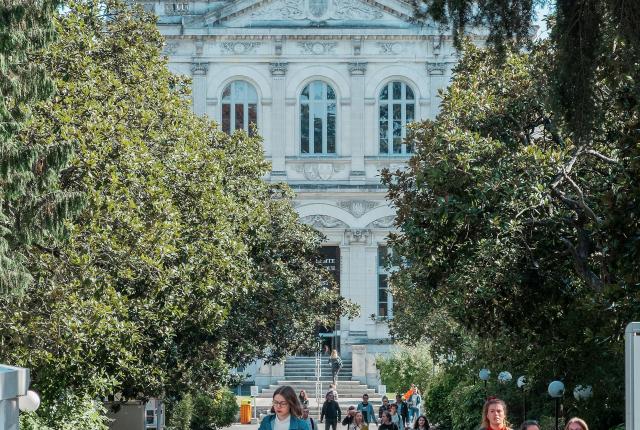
{"x":385,"y":301}
{"x":397,"y":109}
{"x":318,"y":119}
{"x":239,"y":107}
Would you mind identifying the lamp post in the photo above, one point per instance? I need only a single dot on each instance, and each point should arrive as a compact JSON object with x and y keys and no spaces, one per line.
{"x":521,"y":382}
{"x":556,"y":390}
{"x":484,"y":376}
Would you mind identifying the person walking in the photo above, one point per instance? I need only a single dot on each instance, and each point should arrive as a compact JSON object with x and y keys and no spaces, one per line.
{"x":308,"y":419}
{"x":422,"y":423}
{"x":304,"y":399}
{"x":351,"y":414}
{"x":494,"y":415}
{"x":367,"y":410}
{"x":358,"y":422}
{"x":288,"y":412}
{"x":403,"y":411}
{"x":386,"y":422}
{"x":330,"y":411}
{"x":414,"y":403}
{"x":530,"y":425}
{"x":576,"y":424}
{"x":336,"y":365}
{"x":395,"y":416}
{"x":384,"y":407}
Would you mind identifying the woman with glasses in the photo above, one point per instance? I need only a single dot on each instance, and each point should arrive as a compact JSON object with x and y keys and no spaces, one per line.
{"x":288,"y":412}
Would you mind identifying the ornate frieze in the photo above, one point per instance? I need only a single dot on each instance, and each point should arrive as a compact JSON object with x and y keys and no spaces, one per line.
{"x":358,"y":68}
{"x":199,"y":68}
{"x":170,"y":48}
{"x":319,"y":171}
{"x":317,"y":48}
{"x":436,"y":68}
{"x":239,"y":48}
{"x":390,"y":48}
{"x":317,"y":10}
{"x":278,"y":68}
{"x":357,"y":208}
{"x":323,"y":221}
{"x":385,"y":222}
{"x":361,"y":236}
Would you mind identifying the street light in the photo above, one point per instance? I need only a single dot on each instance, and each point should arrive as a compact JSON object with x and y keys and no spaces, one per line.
{"x":504,"y":377}
{"x":582,"y":392}
{"x":520,"y":383}
{"x":556,"y":390}
{"x":484,"y":376}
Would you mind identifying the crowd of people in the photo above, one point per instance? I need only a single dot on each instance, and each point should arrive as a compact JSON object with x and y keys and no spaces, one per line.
{"x":290,"y":411}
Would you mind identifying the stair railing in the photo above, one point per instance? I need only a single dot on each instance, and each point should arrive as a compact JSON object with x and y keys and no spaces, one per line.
{"x":318,"y":381}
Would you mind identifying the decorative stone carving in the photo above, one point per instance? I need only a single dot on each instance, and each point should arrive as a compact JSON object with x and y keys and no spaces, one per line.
{"x":357,"y":45}
{"x":354,"y":9}
{"x":181,"y":8}
{"x":170,"y":48}
{"x":278,"y":45}
{"x":384,"y":222}
{"x":199,"y":68}
{"x":317,"y":10}
{"x":357,"y":68}
{"x":357,"y":208}
{"x":390,"y":48}
{"x":435,"y":68}
{"x":199,"y":48}
{"x":319,"y":171}
{"x":437,"y":45}
{"x":361,"y":236}
{"x":278,"y":68}
{"x":239,"y":48}
{"x":317,"y":48}
{"x":323,"y":221}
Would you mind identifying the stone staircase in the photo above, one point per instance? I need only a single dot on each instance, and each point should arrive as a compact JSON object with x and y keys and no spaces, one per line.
{"x":299,"y":373}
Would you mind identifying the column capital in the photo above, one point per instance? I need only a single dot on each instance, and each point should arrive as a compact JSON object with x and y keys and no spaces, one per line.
{"x":199,"y":68}
{"x":435,"y":68}
{"x":278,"y":68}
{"x":357,"y":68}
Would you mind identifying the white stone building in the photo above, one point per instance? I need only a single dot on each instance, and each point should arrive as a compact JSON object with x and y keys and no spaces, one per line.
{"x":331,"y":85}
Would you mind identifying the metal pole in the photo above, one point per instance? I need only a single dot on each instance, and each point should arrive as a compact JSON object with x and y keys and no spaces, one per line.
{"x":524,"y":405}
{"x":632,"y":376}
{"x":557,"y":411}
{"x":318,"y":382}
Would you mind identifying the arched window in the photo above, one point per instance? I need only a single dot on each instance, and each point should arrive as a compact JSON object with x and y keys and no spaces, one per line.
{"x":239,"y":107}
{"x":318,"y":119}
{"x":397,"y":109}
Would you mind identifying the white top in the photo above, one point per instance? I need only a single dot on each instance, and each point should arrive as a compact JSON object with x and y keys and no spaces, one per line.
{"x":282,"y":425}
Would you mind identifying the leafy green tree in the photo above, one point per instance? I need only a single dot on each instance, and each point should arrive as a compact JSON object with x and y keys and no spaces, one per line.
{"x":33,"y":208}
{"x":184,"y":263}
{"x":518,"y":246}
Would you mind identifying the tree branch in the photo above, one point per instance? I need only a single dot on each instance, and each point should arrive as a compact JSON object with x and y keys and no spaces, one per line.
{"x":601,"y":156}
{"x":581,"y":267}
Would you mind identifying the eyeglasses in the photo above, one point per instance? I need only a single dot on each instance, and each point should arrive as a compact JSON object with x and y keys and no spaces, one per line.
{"x":279,"y":404}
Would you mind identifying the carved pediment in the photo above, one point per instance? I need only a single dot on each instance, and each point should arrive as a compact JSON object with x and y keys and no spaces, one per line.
{"x":247,"y":13}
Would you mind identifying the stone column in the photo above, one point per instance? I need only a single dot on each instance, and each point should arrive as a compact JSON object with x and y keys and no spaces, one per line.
{"x":437,"y":81}
{"x":278,"y":123}
{"x":199,"y":89}
{"x":359,"y":363}
{"x":357,"y":131}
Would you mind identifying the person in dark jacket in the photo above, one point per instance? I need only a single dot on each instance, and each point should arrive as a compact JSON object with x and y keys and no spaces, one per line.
{"x":330,"y":411}
{"x":403,"y":410}
{"x":386,"y":422}
{"x":288,"y":412}
{"x":384,"y":407}
{"x":351,"y":413}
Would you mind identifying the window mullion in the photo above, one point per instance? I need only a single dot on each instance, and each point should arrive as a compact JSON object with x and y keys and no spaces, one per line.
{"x":312,"y":146}
{"x":324,"y":121}
{"x":403,"y":120}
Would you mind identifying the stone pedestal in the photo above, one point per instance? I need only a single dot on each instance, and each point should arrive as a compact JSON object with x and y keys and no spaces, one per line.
{"x":14,"y":382}
{"x":359,"y":363}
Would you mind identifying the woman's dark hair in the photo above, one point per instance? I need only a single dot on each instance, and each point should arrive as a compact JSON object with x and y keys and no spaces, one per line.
{"x":528,"y":423}
{"x":388,"y":415}
{"x":426,"y":422}
{"x":290,"y":396}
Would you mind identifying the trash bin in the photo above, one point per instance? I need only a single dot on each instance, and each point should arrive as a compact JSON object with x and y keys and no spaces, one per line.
{"x":245,"y":412}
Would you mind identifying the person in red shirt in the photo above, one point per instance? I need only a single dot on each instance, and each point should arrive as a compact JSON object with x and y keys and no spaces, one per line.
{"x":494,"y":415}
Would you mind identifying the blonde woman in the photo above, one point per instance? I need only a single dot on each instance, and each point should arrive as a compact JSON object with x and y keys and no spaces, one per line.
{"x":494,"y":415}
{"x":576,"y":424}
{"x":358,"y":422}
{"x":336,"y":365}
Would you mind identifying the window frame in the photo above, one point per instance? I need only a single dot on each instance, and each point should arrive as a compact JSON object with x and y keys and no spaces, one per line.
{"x":381,"y":270}
{"x":324,"y":102}
{"x":389,"y":102}
{"x":245,"y":106}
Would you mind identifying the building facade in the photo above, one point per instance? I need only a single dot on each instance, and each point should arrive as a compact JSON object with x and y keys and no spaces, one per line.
{"x":330,"y":86}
